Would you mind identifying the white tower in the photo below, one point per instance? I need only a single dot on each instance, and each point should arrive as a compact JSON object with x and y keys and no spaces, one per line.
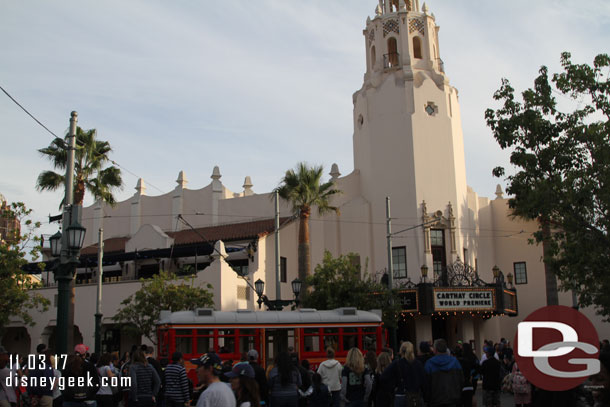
{"x":408,"y":142}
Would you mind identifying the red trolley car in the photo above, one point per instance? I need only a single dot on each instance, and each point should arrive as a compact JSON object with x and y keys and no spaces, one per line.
{"x":308,"y":331}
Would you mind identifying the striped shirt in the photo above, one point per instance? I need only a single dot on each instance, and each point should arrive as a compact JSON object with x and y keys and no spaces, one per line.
{"x":145,"y":381}
{"x":176,"y":383}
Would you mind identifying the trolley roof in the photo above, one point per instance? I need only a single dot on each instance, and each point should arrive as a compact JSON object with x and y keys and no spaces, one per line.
{"x":208,"y":316}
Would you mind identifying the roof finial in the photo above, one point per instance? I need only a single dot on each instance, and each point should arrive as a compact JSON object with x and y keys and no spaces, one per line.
{"x":334,"y":171}
{"x":216,"y":173}
{"x":140,"y":187}
{"x":182,"y":181}
{"x":499,"y":192}
{"x":248,"y":186}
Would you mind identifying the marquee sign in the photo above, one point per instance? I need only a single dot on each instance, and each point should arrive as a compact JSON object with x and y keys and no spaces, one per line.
{"x":409,"y":300}
{"x":464,"y":299}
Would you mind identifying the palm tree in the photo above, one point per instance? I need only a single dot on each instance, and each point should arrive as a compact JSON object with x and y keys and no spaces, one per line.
{"x":91,"y":156}
{"x":302,"y":187}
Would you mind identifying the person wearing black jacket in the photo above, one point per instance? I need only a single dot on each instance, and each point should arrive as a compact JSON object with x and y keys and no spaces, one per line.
{"x":492,"y":379}
{"x":406,"y":376}
{"x":259,"y":375}
{"x":470,"y":366}
{"x":77,"y":367}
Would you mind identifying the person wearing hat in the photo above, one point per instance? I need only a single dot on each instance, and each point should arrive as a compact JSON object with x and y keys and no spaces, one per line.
{"x":217,"y":393}
{"x":244,"y":385}
{"x":77,"y":367}
{"x":176,"y":382}
{"x":8,"y":397}
{"x":259,"y":375}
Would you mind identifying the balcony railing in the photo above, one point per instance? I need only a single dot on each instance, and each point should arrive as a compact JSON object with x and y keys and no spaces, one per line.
{"x":391,"y":60}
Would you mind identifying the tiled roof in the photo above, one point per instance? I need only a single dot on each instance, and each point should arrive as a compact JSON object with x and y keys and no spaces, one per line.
{"x":111,"y":245}
{"x":228,"y":232}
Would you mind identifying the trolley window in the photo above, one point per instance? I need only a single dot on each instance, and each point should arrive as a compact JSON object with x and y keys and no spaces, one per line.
{"x":311,"y":340}
{"x":246,"y":340}
{"x":205,"y":340}
{"x":226,"y":341}
{"x":184,"y":340}
{"x":350,"y":338}
{"x":331,"y":338}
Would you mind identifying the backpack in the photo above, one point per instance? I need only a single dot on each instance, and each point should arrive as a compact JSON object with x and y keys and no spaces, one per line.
{"x":520,"y":383}
{"x":507,"y":383}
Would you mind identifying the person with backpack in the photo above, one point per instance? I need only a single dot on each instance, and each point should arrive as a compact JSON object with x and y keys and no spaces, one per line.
{"x":356,"y":381}
{"x":145,"y":382}
{"x":79,"y":370}
{"x":405,"y":377}
{"x":522,"y":389}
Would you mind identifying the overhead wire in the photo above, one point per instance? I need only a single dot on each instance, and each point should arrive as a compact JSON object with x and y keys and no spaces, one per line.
{"x":62,"y":140}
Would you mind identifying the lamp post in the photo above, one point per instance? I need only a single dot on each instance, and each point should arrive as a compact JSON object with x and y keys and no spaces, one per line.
{"x":67,"y":247}
{"x":496,"y":272}
{"x":424,"y":273}
{"x":278,"y":304}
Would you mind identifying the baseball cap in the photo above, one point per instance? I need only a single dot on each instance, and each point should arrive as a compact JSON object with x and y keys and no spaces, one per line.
{"x":241,"y":369}
{"x":253,"y":354}
{"x":208,"y":359}
{"x":81,"y":349}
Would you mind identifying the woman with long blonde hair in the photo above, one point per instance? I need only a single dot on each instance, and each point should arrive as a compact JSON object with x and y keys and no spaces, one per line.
{"x":405,"y":377}
{"x":355,"y":380}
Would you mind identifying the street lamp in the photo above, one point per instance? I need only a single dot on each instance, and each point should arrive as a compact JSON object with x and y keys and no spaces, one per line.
{"x":509,"y":277}
{"x":76,"y":236}
{"x":496,"y":271}
{"x":424,"y":272}
{"x":277,"y":304}
{"x":55,"y":242}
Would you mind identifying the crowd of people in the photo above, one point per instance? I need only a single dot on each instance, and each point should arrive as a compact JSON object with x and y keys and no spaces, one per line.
{"x":435,"y":375}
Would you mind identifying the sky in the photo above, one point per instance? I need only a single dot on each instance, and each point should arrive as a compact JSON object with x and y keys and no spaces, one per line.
{"x":251,"y":86}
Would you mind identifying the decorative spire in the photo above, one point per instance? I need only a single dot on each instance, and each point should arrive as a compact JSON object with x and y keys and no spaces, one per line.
{"x":182,"y":181}
{"x":334,"y":171}
{"x":140,"y":187}
{"x":248,"y":186}
{"x":499,"y":192}
{"x":216,"y":173}
{"x":425,"y":9}
{"x":378,"y":10}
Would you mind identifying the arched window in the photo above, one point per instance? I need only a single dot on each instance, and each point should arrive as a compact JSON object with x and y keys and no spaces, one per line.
{"x":373,"y":57}
{"x":392,"y":60}
{"x":417,"y":48}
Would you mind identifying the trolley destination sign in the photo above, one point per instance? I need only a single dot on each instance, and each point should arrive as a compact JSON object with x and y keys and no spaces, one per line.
{"x":464,"y":299}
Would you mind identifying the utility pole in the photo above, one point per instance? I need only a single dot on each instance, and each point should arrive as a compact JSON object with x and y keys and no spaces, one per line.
{"x":389,"y":237}
{"x":65,"y":324}
{"x":278,"y":268}
{"x":100,"y":278}
{"x":392,"y":330}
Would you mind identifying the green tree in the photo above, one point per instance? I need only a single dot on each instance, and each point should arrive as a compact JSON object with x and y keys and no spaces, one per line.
{"x":140,"y":312}
{"x":16,"y":296}
{"x":303,"y":188}
{"x":561,"y":151}
{"x":337,"y":282}
{"x":90,"y":170}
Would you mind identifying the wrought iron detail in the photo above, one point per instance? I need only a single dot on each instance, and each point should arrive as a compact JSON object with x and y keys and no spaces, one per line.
{"x":459,"y":274}
{"x":406,"y":284}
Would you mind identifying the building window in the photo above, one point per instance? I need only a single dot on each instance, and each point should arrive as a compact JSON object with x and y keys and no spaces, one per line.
{"x":439,"y":260}
{"x":520,"y":272}
{"x":465,"y":256}
{"x":283,"y":270}
{"x":399,"y":262}
{"x":373,"y":57}
{"x":416,"y":48}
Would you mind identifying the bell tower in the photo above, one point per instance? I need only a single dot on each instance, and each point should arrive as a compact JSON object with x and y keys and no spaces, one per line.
{"x":408,"y":142}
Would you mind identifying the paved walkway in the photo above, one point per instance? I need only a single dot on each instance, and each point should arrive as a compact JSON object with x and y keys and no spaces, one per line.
{"x":506,"y":399}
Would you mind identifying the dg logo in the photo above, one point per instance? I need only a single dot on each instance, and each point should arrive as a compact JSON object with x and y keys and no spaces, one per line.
{"x":557,"y":348}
